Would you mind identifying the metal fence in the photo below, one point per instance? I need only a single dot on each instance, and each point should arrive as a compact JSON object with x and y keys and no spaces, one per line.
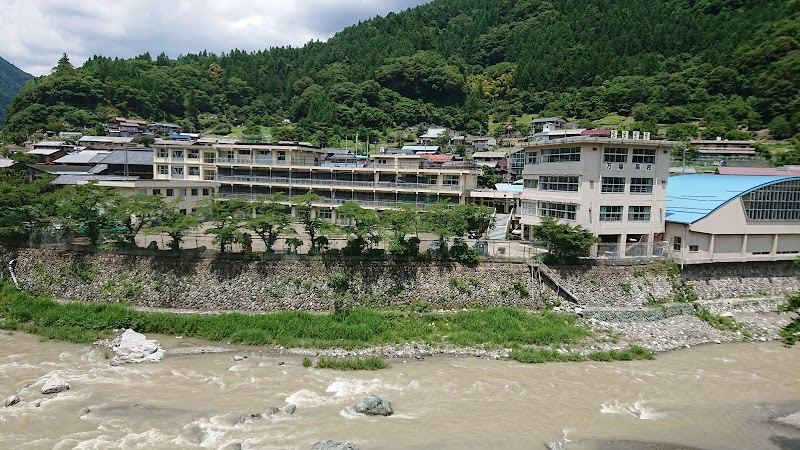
{"x":636,"y":250}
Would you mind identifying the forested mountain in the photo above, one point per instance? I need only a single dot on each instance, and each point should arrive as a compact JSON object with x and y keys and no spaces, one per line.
{"x":727,"y":63}
{"x":11,"y":81}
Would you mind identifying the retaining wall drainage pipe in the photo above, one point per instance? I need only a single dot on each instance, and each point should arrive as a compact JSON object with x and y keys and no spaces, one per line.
{"x":11,"y":265}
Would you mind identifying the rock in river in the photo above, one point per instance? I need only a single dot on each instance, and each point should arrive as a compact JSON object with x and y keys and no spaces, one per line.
{"x":55,"y":384}
{"x":11,"y":400}
{"x":374,"y":405}
{"x":333,"y":445}
{"x":133,"y":347}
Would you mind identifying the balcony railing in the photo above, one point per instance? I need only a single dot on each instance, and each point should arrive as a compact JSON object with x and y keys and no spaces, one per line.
{"x":335,"y":201}
{"x":337,"y":183}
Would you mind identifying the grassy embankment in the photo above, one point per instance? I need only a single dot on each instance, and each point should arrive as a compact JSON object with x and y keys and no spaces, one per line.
{"x":346,"y":328}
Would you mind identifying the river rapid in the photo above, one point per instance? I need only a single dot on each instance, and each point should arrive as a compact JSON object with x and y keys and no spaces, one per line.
{"x":711,"y":397}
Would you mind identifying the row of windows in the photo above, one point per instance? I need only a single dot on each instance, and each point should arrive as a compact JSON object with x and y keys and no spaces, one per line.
{"x":177,"y":170}
{"x":568,"y":211}
{"x":617,"y":185}
{"x":568,"y":183}
{"x":558,"y":183}
{"x":620,"y":155}
{"x":561,"y":154}
{"x":780,"y":201}
{"x":170,"y":192}
{"x":614,"y":213}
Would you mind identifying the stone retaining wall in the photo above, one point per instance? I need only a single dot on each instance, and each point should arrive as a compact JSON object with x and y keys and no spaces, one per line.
{"x":734,"y":280}
{"x":205,"y":283}
{"x":639,"y":314}
{"x":201,"y":282}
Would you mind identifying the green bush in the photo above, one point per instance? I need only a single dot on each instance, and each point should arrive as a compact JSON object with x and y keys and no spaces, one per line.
{"x":521,"y":288}
{"x":625,"y":286}
{"x":369,"y":363}
{"x":339,"y":282}
{"x":684,"y":293}
{"x":306,"y":361}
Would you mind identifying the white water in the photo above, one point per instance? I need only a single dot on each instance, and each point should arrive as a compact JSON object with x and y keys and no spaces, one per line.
{"x":715,"y":397}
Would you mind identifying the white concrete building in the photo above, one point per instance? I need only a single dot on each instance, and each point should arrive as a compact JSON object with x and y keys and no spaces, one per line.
{"x":733,"y":218}
{"x":616,"y":188}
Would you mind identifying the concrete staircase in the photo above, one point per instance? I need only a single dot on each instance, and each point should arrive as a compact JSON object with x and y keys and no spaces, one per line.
{"x":546,"y":274}
{"x":501,"y":221}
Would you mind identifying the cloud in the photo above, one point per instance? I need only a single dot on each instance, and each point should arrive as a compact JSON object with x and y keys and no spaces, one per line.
{"x":36,"y":33}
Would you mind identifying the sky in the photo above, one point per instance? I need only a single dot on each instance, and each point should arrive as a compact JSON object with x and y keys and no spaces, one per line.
{"x":35,"y":33}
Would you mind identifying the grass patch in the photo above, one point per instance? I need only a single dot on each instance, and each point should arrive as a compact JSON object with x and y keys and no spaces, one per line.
{"x":723,"y":323}
{"x":345,"y":327}
{"x":368,"y":363}
{"x":538,"y":355}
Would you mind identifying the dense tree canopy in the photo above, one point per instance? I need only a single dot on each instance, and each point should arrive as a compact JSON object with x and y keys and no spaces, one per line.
{"x":724,"y":63}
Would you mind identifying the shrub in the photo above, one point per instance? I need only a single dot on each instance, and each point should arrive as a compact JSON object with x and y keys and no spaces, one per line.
{"x":625,"y":286}
{"x":684,"y":293}
{"x":369,"y":363}
{"x":521,"y":288}
{"x":457,"y":284}
{"x":306,"y":361}
{"x":339,"y":282}
{"x":638,"y":272}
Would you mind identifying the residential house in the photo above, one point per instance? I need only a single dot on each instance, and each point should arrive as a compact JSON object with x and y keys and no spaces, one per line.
{"x":431,"y":135}
{"x":482,"y":143}
{"x":122,"y":127}
{"x":48,"y":151}
{"x":164,"y":129}
{"x":104,"y":142}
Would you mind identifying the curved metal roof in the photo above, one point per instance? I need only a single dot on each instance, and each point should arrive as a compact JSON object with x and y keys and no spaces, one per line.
{"x":691,"y":198}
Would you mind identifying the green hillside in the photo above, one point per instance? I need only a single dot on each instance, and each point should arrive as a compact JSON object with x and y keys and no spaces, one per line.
{"x":11,"y":81}
{"x":726,"y":64}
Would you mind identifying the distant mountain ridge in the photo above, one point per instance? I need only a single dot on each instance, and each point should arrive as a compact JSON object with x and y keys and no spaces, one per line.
{"x":11,"y":81}
{"x":724,"y":65}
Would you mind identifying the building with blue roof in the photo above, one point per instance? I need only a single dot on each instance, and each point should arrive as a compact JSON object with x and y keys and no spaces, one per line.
{"x":733,"y":218}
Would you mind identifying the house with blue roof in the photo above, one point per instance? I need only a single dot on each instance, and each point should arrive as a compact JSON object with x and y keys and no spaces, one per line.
{"x":733,"y":218}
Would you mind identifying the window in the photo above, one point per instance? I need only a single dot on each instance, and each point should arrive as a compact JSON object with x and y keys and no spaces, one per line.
{"x":177,"y":171}
{"x":142,"y":192}
{"x":610,"y":213}
{"x":613,"y":184}
{"x":324,"y":214}
{"x":532,"y":158}
{"x":641,"y":185}
{"x":644,"y":155}
{"x":170,"y":192}
{"x":433,"y":179}
{"x":450,"y":180}
{"x":181,"y":192}
{"x":281,"y":156}
{"x":206,"y":192}
{"x":163,"y":170}
{"x":776,"y":202}
{"x":558,"y":183}
{"x":162,"y":153}
{"x":615,"y":155}
{"x":639,"y":213}
{"x":528,"y":208}
{"x":557,"y":210}
{"x":183,"y":212}
{"x":561,"y":154}
{"x":208,"y":157}
{"x":244,"y":153}
{"x":209,"y":175}
{"x":676,"y":243}
{"x":156,"y":191}
{"x":194,"y":192}
{"x":177,"y":154}
{"x":530,"y":183}
{"x":194,"y":170}
{"x":696,"y":248}
{"x":193,"y":154}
